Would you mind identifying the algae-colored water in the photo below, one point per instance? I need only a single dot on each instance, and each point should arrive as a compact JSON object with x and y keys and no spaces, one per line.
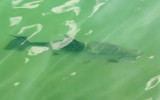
{"x":36,"y":74}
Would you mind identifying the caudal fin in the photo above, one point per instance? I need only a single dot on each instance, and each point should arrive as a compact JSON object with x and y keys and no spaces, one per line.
{"x":17,"y":43}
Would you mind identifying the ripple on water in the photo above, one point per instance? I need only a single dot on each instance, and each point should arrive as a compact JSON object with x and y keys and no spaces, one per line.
{"x":15,"y":20}
{"x":37,"y":50}
{"x":153,"y":82}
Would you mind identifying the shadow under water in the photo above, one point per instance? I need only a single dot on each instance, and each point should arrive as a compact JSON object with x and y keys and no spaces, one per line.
{"x":20,"y":43}
{"x":111,"y":52}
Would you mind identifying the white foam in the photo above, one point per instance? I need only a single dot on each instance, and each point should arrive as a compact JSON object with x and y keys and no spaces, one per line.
{"x":89,"y":32}
{"x":38,"y":29}
{"x":60,"y":44}
{"x":39,"y":26}
{"x":16,"y":83}
{"x":37,"y":50}
{"x":66,"y":7}
{"x":151,"y":57}
{"x":74,"y":29}
{"x":29,"y":5}
{"x":15,"y":20}
{"x":153,"y":82}
{"x":16,"y":2}
{"x":26,"y":60}
{"x":73,"y":73}
{"x":96,"y":7}
{"x":44,"y":14}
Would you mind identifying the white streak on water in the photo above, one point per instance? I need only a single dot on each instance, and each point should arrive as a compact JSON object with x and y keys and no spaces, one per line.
{"x":73,"y":73}
{"x":151,"y":57}
{"x":38,"y":26}
{"x":96,"y":7}
{"x":8,"y":80}
{"x":37,"y":50}
{"x":5,"y":58}
{"x":15,"y":20}
{"x":114,"y":32}
{"x":153,"y":82}
{"x":66,"y":7}
{"x":26,"y":60}
{"x":9,"y":54}
{"x":89,"y":32}
{"x":29,"y":5}
{"x":16,"y":83}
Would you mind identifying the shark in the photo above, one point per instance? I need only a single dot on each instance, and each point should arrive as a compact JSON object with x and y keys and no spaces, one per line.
{"x":111,"y":52}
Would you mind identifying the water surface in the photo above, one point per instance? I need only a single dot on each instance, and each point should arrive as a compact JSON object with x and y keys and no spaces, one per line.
{"x":36,"y":74}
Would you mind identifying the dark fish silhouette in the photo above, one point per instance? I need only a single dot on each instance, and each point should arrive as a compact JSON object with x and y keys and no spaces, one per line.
{"x":109,"y":51}
{"x":15,"y":44}
{"x":20,"y":43}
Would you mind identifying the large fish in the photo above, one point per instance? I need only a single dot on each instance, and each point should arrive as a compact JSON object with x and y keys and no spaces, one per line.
{"x":108,"y":51}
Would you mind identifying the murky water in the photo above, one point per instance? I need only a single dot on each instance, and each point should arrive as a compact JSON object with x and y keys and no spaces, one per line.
{"x":36,"y":73}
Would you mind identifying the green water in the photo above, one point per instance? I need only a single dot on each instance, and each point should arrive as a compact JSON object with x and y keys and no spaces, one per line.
{"x":28,"y":75}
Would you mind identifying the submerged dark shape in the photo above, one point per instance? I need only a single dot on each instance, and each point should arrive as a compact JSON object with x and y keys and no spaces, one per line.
{"x":21,"y":42}
{"x":111,"y":52}
{"x":16,"y":43}
{"x":74,"y":46}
